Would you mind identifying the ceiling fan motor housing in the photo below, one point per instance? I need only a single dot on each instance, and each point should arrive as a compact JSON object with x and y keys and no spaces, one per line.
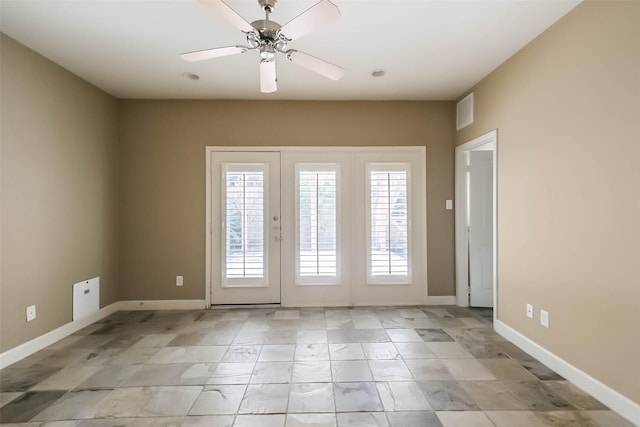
{"x":267,"y":33}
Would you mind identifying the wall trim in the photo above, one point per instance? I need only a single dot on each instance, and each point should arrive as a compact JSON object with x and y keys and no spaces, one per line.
{"x":28,"y":348}
{"x":614,"y":400}
{"x":178,"y":304}
{"x":441,"y":300}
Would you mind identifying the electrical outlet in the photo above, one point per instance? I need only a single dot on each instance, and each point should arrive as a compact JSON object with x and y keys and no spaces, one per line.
{"x":31,"y":313}
{"x":179,"y":281}
{"x":530,"y":311}
{"x":544,"y":318}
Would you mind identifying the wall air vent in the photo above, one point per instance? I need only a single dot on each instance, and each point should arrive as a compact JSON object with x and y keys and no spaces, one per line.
{"x":464,"y":112}
{"x":86,"y":298}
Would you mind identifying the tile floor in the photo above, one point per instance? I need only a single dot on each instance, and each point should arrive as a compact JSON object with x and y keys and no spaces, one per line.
{"x":272,"y":367}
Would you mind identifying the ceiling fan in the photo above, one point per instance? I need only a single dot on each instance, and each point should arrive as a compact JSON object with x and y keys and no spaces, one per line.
{"x":268,"y":37}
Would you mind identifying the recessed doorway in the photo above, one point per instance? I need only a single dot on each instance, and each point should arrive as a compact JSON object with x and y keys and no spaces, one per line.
{"x":476,"y":222}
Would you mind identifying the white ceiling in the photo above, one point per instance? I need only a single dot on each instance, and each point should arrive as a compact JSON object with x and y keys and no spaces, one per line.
{"x":430,"y":50}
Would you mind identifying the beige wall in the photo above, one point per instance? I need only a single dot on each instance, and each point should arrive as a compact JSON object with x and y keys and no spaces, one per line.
{"x":567,"y":110}
{"x":163,"y":175}
{"x":59,"y":192}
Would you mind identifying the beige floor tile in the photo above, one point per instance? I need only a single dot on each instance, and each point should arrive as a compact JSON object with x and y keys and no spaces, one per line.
{"x":428,"y":370}
{"x":171,"y":401}
{"x":232,"y":373}
{"x":208,"y":421}
{"x":8,"y":397}
{"x":415,"y":350}
{"x":125,"y":402}
{"x":449,"y":350}
{"x":311,"y":372}
{"x":154,"y":340}
{"x":311,"y":397}
{"x":507,"y":370}
{"x":73,"y":406}
{"x":67,"y":379}
{"x":402,"y":396}
{"x":277,"y":353}
{"x":311,"y":420}
{"x":312,"y":337}
{"x":275,"y":420}
{"x":380,"y":351}
{"x":350,"y":371}
{"x":467,"y":369}
{"x":464,"y":419}
{"x":514,"y":419}
{"x":311,"y":351}
{"x":566,"y":419}
{"x":218,"y":400}
{"x":194,"y":354}
{"x":348,"y":351}
{"x":492,"y":395}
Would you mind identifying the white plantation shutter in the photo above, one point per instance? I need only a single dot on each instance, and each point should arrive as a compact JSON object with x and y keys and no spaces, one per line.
{"x":388,"y":223}
{"x":244,"y":225}
{"x":317,"y":226}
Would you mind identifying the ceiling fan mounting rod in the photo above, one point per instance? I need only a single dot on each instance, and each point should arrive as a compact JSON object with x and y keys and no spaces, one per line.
{"x":268,"y":6}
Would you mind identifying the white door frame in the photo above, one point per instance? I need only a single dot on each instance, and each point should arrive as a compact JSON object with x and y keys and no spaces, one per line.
{"x":488,"y":142}
{"x":209,"y":227}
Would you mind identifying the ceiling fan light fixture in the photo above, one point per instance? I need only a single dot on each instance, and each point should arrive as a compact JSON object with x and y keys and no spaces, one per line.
{"x":268,"y":83}
{"x":267,"y":52}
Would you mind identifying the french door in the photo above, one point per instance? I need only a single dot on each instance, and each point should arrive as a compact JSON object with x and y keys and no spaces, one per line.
{"x":318,"y":227}
{"x":245,"y":227}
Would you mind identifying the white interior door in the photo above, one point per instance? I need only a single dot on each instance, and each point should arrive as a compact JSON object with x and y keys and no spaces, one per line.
{"x":481,"y":228}
{"x":245,"y":227}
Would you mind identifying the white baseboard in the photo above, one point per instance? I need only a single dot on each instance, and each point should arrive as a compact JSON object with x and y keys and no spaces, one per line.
{"x":28,"y":348}
{"x":614,"y":400}
{"x":441,"y":300}
{"x":178,"y":304}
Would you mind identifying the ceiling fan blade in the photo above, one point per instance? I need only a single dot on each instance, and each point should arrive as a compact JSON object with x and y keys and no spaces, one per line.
{"x":268,"y":79}
{"x":317,"y":65}
{"x":317,"y":15}
{"x":229,"y":14}
{"x":217,"y":52}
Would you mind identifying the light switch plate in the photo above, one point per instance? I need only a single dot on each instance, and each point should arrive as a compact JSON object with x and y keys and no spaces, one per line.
{"x":544,"y":318}
{"x":179,"y":280}
{"x":448,"y":204}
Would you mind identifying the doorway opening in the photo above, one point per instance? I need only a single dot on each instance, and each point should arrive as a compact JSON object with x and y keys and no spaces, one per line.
{"x":476,"y":222}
